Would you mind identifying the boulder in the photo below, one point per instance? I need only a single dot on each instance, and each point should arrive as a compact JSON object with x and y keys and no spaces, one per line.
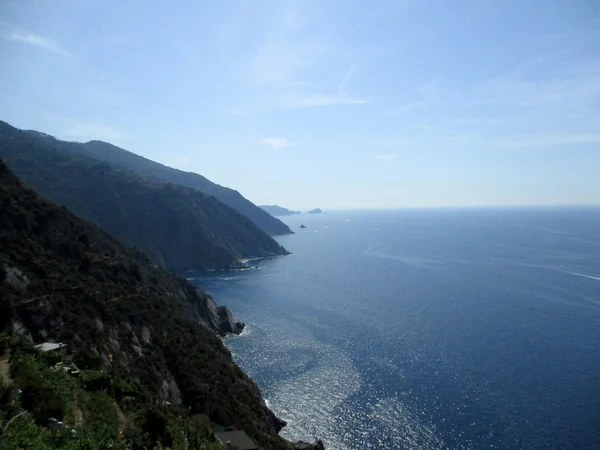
{"x":300,"y":445}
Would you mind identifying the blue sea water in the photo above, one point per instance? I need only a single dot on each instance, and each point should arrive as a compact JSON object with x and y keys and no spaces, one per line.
{"x":427,"y":328}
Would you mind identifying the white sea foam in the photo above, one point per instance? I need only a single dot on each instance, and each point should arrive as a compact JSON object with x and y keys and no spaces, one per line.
{"x":591,"y":277}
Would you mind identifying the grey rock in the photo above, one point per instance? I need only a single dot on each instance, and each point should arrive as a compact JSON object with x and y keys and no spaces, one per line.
{"x":145,"y":335}
{"x":15,"y":278}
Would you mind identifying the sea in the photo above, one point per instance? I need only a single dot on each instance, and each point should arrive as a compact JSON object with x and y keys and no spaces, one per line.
{"x":427,"y":329}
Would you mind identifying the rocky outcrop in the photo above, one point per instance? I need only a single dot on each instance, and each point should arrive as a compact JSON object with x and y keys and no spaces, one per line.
{"x":227,"y":323}
{"x":300,"y":445}
{"x":277,"y":423}
{"x":218,"y":318}
{"x":15,"y":278}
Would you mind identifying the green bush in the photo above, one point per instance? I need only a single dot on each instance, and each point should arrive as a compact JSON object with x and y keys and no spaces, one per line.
{"x":47,"y":392}
{"x":100,"y":415}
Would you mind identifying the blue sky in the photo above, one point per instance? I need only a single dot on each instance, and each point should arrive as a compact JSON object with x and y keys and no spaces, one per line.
{"x":333,"y":104}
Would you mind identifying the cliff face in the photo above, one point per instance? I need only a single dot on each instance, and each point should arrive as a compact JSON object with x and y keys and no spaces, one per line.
{"x":178,"y":227}
{"x":63,"y":279}
{"x":151,"y":170}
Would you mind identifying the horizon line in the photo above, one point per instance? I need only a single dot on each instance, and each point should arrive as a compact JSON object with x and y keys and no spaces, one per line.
{"x":396,"y":208}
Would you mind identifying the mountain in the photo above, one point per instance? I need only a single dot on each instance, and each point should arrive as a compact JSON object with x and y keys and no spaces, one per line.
{"x":125,"y":160}
{"x":152,"y":371}
{"x":277,"y":211}
{"x":178,"y":227}
{"x":315,"y":211}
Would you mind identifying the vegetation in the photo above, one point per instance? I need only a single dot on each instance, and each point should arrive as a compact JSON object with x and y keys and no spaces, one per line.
{"x":153,"y":171}
{"x":130,"y":161}
{"x":152,"y":368}
{"x":178,"y":227}
{"x":89,"y":419}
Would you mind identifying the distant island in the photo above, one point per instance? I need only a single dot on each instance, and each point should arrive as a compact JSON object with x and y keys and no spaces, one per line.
{"x":276,"y":210}
{"x":315,"y":211}
{"x":302,"y":226}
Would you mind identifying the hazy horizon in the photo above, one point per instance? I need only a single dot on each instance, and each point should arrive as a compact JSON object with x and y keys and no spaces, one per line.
{"x":324,"y":104}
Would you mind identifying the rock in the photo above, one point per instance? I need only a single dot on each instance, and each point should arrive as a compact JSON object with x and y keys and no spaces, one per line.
{"x":169,"y":391}
{"x":300,"y":445}
{"x":277,"y":423}
{"x":15,"y":278}
{"x":99,"y":324}
{"x":145,"y":335}
{"x":227,"y":323}
{"x":302,"y":226}
{"x":239,"y":327}
{"x":218,"y":318}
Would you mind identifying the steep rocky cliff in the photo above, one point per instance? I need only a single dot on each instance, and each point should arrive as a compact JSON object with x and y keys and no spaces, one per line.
{"x":151,"y":170}
{"x":63,"y":279}
{"x":178,"y":227}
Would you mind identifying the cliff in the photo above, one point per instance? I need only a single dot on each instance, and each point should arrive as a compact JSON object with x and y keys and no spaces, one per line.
{"x":152,"y":368}
{"x":151,"y":170}
{"x":178,"y":227}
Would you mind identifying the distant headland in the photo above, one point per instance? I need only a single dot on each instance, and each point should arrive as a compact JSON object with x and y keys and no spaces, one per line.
{"x":277,"y":211}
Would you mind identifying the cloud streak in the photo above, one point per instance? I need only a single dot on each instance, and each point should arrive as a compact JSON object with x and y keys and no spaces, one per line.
{"x":277,"y":142}
{"x":325,"y":100}
{"x":386,"y":157}
{"x":551,"y":140}
{"x":341,"y":97}
{"x":428,"y":92}
{"x":15,"y":34}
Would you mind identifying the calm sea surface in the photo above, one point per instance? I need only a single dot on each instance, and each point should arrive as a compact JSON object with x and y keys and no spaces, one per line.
{"x":427,"y":329}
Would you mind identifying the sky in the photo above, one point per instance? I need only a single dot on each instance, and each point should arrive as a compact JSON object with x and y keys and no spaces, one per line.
{"x":331,"y":104}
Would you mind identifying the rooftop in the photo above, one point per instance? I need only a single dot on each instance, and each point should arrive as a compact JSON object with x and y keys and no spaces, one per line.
{"x":50,"y":346}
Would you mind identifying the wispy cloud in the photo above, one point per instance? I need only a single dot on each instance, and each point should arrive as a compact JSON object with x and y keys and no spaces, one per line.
{"x":386,"y":157}
{"x":426,"y":92}
{"x":405,"y":108}
{"x":549,"y":140}
{"x":285,"y":54}
{"x":278,"y":142}
{"x":16,"y":34}
{"x":325,"y":100}
{"x":340,"y":97}
{"x":234,"y":112}
{"x":477,"y":121}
